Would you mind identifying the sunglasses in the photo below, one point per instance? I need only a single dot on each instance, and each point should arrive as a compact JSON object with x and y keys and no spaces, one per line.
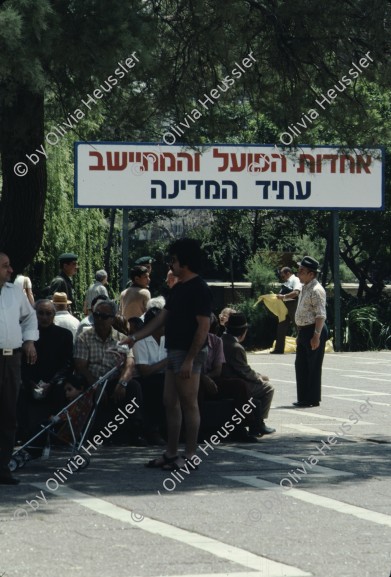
{"x":103,"y":316}
{"x":45,"y":313}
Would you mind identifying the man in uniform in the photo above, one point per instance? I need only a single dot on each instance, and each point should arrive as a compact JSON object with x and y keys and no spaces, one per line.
{"x":62,"y":283}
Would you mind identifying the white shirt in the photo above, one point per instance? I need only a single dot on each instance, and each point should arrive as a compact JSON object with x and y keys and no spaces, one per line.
{"x":23,"y":282}
{"x":149,"y":352}
{"x":97,"y":288}
{"x":18,"y":321}
{"x":293,"y":283}
{"x":67,"y":321}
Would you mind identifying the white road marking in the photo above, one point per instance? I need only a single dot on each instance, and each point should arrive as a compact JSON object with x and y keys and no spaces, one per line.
{"x":313,"y":431}
{"x":252,"y":574}
{"x":286,"y":461}
{"x":317,"y":500}
{"x":362,"y":391}
{"x":264,"y":567}
{"x":317,"y":416}
{"x":371,"y":373}
{"x":367,"y":378}
{"x":343,"y":398}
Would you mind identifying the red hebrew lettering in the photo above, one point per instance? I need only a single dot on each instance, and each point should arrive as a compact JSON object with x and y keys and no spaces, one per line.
{"x":306,"y":161}
{"x":100,"y":165}
{"x":365,"y":164}
{"x":116,"y":164}
{"x":347,"y":158}
{"x":223,"y":156}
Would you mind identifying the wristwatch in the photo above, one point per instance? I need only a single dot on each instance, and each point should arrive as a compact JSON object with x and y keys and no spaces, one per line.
{"x":317,"y":332}
{"x":123,"y":383}
{"x":133,"y":337}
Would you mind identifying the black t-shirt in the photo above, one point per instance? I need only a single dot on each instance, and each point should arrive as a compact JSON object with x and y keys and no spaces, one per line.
{"x":186,"y":300}
{"x":54,"y":355}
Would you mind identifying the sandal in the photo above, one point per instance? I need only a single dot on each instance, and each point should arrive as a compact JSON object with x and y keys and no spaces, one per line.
{"x":158,"y":464}
{"x":190,"y":463}
{"x":172,"y":466}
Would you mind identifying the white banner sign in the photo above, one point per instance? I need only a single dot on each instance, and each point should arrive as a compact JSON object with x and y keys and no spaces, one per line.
{"x":143,"y":175}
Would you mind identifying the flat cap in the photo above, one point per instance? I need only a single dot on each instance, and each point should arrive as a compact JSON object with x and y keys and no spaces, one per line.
{"x":143,"y":260}
{"x":68,"y":257}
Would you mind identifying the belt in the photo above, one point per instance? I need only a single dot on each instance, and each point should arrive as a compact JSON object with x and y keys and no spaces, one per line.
{"x":300,"y":328}
{"x":9,"y":352}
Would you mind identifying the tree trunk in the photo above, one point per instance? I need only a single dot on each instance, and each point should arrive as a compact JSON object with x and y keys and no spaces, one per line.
{"x":23,"y":197}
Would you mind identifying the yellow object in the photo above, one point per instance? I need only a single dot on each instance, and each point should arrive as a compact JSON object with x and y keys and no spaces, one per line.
{"x":275,"y":306}
{"x":290,"y":345}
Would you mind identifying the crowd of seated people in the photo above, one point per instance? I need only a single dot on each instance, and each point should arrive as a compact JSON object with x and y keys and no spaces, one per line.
{"x":66,"y":369}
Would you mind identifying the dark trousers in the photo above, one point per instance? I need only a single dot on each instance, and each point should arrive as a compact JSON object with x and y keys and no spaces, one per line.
{"x":262,"y":391}
{"x":9,"y":390}
{"x":154,"y":412}
{"x":108,"y":408}
{"x":283,"y":327}
{"x":308,"y":365}
{"x":239,"y":391}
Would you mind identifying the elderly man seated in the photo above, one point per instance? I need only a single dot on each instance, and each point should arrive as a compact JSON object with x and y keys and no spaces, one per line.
{"x":42,"y":392}
{"x":236,"y":365}
{"x":95,"y":354}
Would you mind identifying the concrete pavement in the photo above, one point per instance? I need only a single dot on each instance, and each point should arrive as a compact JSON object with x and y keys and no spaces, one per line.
{"x":312,"y":499}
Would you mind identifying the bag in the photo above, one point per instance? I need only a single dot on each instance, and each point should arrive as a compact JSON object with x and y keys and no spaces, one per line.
{"x":284,"y":290}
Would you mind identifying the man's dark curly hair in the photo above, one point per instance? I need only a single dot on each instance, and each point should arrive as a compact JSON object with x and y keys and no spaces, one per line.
{"x":188,"y":253}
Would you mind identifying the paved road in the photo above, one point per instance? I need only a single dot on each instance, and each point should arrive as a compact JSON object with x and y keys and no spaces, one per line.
{"x":301,"y":502}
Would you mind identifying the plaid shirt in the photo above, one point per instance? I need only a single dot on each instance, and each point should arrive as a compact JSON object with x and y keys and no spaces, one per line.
{"x":90,"y":347}
{"x":312,"y":304}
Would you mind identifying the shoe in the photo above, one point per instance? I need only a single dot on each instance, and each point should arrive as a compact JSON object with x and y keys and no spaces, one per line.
{"x":265,"y":430}
{"x":160,"y":462}
{"x":302,"y":404}
{"x":241,"y":435}
{"x":8,"y":479}
{"x":276,"y":352}
{"x":250,"y":439}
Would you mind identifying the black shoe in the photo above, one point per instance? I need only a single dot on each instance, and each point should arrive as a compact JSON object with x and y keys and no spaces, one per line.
{"x":249,"y":439}
{"x":302,"y":404}
{"x":241,"y":435}
{"x":8,"y":479}
{"x":276,"y":352}
{"x":265,"y":430}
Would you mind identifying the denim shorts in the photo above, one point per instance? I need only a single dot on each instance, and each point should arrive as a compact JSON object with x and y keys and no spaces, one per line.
{"x":175,"y":358}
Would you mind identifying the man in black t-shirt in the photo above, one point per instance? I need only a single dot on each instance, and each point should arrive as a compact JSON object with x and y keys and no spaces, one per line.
{"x":186,"y":317}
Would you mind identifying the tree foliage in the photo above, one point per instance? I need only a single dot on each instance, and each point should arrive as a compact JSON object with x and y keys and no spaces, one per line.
{"x":54,"y":53}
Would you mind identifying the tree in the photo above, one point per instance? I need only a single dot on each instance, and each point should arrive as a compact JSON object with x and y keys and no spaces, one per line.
{"x":62,"y":51}
{"x":50,"y":47}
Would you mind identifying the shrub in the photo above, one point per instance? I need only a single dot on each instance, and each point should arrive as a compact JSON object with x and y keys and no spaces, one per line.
{"x":263,"y":325}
